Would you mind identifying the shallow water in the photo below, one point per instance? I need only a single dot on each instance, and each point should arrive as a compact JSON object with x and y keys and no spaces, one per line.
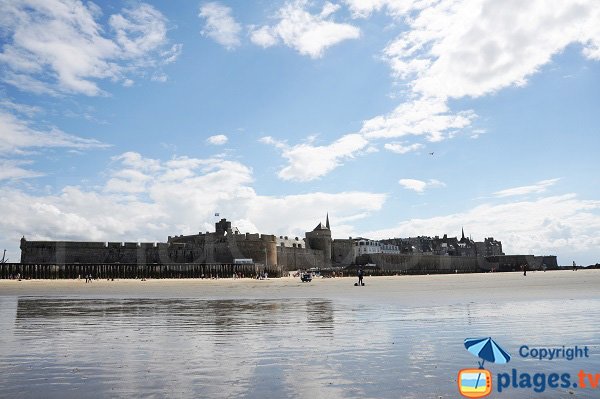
{"x":312,"y":348}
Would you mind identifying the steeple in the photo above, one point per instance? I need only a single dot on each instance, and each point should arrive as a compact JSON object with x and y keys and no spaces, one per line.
{"x":327,"y":222}
{"x":463,"y":234}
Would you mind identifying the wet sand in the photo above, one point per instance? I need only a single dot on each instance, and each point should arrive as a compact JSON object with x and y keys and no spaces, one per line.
{"x":396,"y":337}
{"x":430,"y":289}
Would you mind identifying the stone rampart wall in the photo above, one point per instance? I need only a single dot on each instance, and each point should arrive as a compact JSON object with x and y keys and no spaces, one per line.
{"x":425,"y":263}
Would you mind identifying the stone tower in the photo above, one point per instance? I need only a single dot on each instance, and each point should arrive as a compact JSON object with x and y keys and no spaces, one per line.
{"x":320,"y":238}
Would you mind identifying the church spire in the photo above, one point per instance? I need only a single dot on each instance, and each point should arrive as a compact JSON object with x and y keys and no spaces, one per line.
{"x":327,"y":222}
{"x":463,"y":234}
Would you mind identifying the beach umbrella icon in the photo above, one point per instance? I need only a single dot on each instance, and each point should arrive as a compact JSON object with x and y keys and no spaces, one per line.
{"x":487,"y":349}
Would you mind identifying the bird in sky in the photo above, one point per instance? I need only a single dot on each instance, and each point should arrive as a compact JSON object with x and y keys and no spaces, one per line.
{"x":431,"y":153}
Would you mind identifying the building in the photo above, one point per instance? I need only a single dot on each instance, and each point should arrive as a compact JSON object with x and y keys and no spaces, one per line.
{"x":447,"y":246}
{"x":224,"y":245}
{"x":281,"y":253}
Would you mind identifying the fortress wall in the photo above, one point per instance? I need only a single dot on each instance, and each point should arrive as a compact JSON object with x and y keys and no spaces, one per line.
{"x":342,"y":252}
{"x":515,"y":262}
{"x":95,"y":252}
{"x":256,"y":248}
{"x":425,"y":263}
{"x":290,"y":258}
{"x":227,"y":248}
{"x":212,"y":249}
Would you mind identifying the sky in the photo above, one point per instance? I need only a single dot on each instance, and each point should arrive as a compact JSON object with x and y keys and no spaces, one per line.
{"x":133,"y":121}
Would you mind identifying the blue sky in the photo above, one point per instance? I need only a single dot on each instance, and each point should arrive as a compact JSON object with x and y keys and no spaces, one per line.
{"x":139,"y":120}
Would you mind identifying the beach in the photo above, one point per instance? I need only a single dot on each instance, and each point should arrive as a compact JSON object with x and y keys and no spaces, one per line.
{"x":421,"y":289}
{"x":396,"y":337}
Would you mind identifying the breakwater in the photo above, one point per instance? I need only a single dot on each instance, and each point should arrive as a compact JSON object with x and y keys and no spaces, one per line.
{"x":132,"y":270}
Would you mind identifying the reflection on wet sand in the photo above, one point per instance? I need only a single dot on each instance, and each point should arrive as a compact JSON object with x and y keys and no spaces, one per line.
{"x":62,"y":348}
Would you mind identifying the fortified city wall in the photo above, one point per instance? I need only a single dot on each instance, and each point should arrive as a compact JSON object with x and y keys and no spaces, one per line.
{"x":294,"y":258}
{"x":60,"y":252}
{"x":398,"y":263}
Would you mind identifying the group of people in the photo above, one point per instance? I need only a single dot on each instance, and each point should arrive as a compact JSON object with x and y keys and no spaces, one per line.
{"x":262,"y":276}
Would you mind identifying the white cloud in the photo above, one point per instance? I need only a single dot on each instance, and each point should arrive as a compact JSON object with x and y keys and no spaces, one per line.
{"x":472,"y":48}
{"x":218,"y":139}
{"x":309,"y":162}
{"x":58,"y":46}
{"x":139,"y":30}
{"x":17,"y":135}
{"x":135,"y":161}
{"x":220,"y":25}
{"x":558,"y":225}
{"x":430,"y":117}
{"x":27,"y":110}
{"x":401,"y":148}
{"x":364,"y":8}
{"x":271,"y":141}
{"x":451,"y":49}
{"x":11,"y":169}
{"x":420,"y":186}
{"x":456,"y":48}
{"x":263,"y":37}
{"x":309,"y":34}
{"x":477,"y":133}
{"x":149,"y":199}
{"x":536,"y":188}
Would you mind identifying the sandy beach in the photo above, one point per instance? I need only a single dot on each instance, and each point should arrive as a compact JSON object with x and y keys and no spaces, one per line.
{"x":429,"y":289}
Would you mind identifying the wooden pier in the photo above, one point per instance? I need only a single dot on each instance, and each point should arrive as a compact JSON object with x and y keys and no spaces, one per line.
{"x":126,"y":270}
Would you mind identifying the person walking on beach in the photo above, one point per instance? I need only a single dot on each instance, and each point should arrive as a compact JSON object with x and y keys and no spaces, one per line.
{"x":525,"y":269}
{"x":360,"y":276}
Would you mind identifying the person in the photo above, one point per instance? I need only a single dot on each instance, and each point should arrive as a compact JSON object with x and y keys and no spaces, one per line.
{"x":360,"y":276}
{"x":525,"y":269}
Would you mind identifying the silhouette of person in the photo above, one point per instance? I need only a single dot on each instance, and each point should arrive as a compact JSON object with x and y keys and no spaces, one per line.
{"x":360,"y":276}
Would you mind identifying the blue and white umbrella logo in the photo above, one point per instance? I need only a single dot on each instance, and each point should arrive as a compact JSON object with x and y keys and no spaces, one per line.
{"x":487,"y":349}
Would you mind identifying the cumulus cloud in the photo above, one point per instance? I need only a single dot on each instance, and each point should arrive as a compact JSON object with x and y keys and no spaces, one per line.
{"x":472,"y":48}
{"x":308,"y":162}
{"x":218,"y":139}
{"x":219,"y":25}
{"x":148,"y":199}
{"x":556,"y":225}
{"x":452,"y":49}
{"x":309,"y":34}
{"x":536,"y":188}
{"x":420,"y":186}
{"x":59,"y":46}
